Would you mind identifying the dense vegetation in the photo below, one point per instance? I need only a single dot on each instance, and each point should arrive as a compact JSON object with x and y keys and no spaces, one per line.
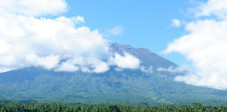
{"x":126,"y":87}
{"x":41,"y":107}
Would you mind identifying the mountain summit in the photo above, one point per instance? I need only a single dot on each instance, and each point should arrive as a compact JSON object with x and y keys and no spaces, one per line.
{"x":147,"y":57}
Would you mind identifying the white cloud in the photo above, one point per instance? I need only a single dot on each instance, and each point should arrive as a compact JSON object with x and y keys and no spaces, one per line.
{"x":68,"y":67}
{"x":118,"y":69}
{"x":79,"y":19}
{"x":117,"y":30}
{"x":176,"y":23}
{"x":54,"y":44}
{"x":178,"y":69}
{"x":33,"y":7}
{"x":2,"y":69}
{"x":73,"y":21}
{"x":213,"y":7}
{"x":28,"y":41}
{"x":206,"y":46}
{"x":126,"y":61}
{"x":146,"y":70}
{"x":48,"y":62}
{"x":101,"y":67}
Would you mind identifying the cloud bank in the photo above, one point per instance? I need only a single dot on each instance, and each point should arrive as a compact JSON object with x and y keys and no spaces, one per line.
{"x":54,"y":44}
{"x":206,"y":46}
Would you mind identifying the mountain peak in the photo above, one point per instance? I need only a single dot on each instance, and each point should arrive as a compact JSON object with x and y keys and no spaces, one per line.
{"x":147,"y":57}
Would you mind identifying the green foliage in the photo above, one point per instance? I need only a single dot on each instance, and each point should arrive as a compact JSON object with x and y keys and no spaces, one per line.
{"x":53,"y":107}
{"x":126,"y":87}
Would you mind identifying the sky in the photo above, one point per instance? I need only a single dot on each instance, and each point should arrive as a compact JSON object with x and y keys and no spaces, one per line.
{"x":45,"y":33}
{"x":142,"y":24}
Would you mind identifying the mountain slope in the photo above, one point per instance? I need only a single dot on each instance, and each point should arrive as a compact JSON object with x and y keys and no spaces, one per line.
{"x":112,"y":87}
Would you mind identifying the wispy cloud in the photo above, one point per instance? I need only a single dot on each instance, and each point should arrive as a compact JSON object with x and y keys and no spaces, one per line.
{"x":146,"y":70}
{"x":116,"y":30}
{"x":176,"y":23}
{"x":178,"y":69}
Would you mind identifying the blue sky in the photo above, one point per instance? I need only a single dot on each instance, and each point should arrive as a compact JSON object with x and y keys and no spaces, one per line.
{"x":42,"y":33}
{"x":146,"y":24}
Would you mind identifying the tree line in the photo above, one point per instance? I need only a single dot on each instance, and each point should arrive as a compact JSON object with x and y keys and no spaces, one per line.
{"x":55,"y":107}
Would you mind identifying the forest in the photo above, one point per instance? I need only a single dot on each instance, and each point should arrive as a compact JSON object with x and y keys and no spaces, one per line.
{"x":56,"y":107}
